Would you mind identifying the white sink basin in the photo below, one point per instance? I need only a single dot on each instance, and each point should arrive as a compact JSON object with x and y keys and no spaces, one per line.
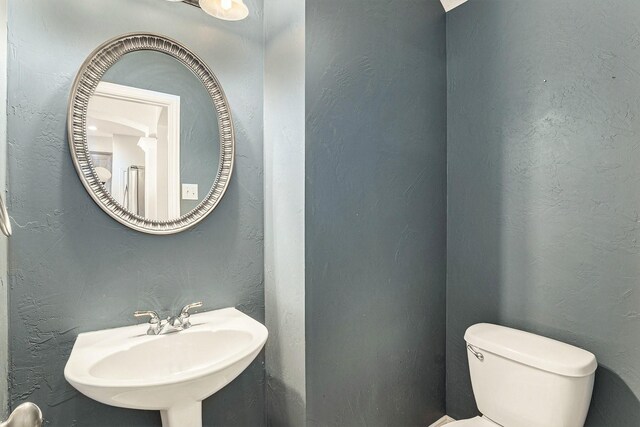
{"x":171,"y":373}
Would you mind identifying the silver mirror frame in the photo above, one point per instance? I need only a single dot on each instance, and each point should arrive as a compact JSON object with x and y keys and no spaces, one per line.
{"x":87,"y":79}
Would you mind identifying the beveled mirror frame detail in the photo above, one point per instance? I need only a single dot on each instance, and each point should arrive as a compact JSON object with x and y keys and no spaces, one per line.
{"x":86,"y":82}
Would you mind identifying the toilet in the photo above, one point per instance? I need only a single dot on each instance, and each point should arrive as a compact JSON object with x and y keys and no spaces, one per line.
{"x":521,"y":379}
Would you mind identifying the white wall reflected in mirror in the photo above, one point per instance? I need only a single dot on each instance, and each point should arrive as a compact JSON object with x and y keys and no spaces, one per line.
{"x":134,"y":141}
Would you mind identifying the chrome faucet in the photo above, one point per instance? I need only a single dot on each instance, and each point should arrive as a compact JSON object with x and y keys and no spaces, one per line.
{"x":171,"y":323}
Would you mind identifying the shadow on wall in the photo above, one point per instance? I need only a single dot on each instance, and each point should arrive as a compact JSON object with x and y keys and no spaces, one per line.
{"x":285,"y":404}
{"x":613,"y":402}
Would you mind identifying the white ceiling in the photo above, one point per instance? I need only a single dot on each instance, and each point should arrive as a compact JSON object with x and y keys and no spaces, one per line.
{"x":450,"y":4}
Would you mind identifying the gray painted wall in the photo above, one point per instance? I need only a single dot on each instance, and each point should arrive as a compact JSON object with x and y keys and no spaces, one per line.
{"x":284,"y":163}
{"x":72,"y":268}
{"x":375,"y":212}
{"x":199,"y":132}
{"x":544,"y":185}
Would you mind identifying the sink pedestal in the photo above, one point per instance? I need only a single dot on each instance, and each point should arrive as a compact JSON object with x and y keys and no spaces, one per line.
{"x":187,"y":414}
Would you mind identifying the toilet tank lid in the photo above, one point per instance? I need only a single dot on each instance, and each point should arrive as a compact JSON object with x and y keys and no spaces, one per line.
{"x":532,"y":350}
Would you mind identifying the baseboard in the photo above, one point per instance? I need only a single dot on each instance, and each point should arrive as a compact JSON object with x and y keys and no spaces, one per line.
{"x":442,"y":421}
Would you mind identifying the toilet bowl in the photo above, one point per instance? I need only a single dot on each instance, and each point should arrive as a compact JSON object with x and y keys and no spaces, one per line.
{"x":521,"y":379}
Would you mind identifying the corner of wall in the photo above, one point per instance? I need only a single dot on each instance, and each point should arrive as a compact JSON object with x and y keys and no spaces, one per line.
{"x":4,"y":323}
{"x":451,"y":4}
{"x":284,"y":213}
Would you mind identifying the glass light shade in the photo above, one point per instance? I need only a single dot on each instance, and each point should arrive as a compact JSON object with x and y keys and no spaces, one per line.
{"x":229,"y":10}
{"x":103,"y":174}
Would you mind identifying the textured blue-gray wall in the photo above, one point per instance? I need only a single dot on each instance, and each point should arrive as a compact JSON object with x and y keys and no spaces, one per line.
{"x":544,"y":185}
{"x":72,"y":268}
{"x":375,"y":212}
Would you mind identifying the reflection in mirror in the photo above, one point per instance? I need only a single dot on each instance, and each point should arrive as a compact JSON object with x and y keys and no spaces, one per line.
{"x":153,"y":137}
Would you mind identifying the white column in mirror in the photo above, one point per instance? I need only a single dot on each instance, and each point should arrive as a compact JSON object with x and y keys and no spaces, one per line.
{"x":150,"y":148}
{"x":173,"y":159}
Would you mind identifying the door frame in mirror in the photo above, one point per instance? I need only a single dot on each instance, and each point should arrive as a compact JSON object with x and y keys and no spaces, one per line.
{"x":85,"y":85}
{"x":172,"y":104}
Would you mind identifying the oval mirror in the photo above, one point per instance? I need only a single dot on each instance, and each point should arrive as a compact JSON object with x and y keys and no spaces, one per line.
{"x":150,"y":133}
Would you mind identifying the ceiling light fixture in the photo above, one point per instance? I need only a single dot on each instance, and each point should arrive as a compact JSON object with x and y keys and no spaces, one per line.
{"x":228,"y":10}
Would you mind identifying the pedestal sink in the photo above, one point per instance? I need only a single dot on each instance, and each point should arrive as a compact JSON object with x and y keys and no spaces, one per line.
{"x":170,"y":373}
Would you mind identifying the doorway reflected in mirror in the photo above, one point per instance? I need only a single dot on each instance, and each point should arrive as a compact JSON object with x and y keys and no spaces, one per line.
{"x":134,"y":138}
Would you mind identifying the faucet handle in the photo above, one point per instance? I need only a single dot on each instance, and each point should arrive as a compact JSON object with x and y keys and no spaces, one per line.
{"x":154,"y":321}
{"x":154,"y":318}
{"x":185,"y":310}
{"x":184,"y":314}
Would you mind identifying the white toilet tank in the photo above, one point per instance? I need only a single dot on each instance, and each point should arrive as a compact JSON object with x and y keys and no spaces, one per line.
{"x":524,"y":380}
